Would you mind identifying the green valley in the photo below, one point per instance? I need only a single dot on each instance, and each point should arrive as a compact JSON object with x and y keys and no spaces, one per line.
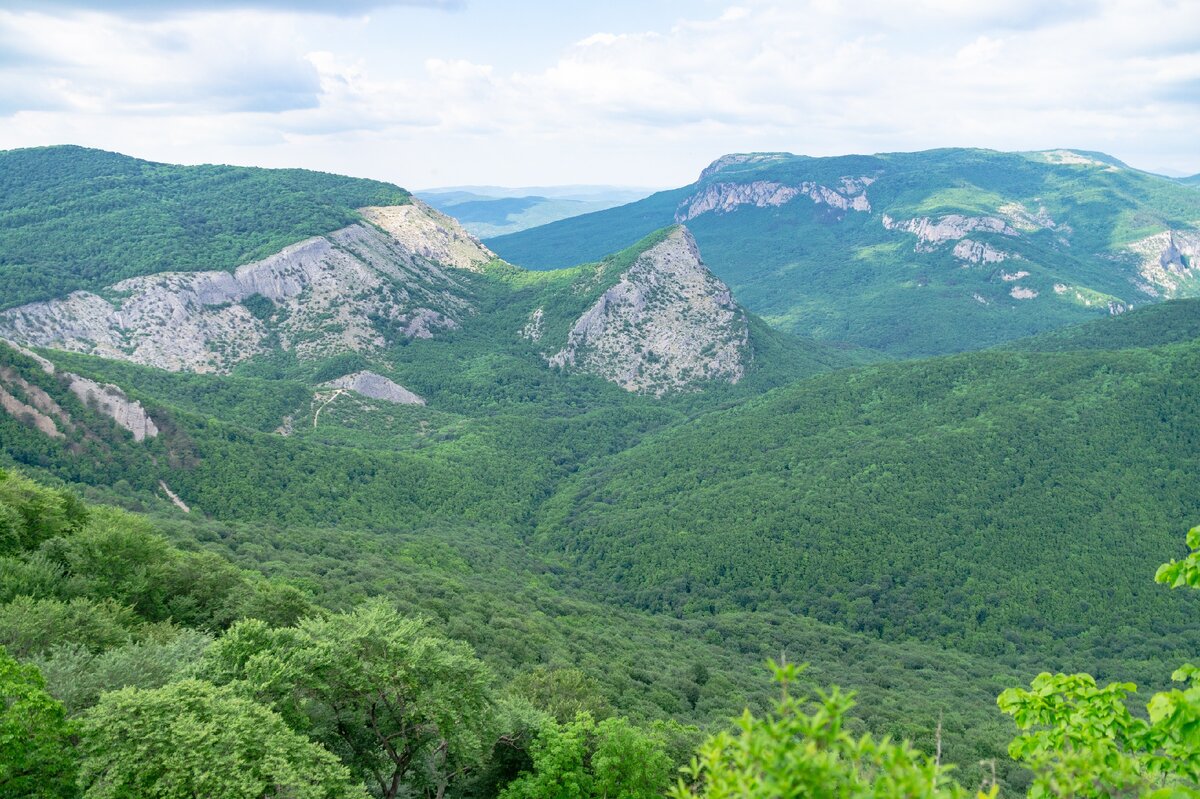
{"x":578,"y":509}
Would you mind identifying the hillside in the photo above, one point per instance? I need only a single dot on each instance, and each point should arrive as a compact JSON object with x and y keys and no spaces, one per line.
{"x":617,"y":467}
{"x":1169,"y":322}
{"x":994,"y":502}
{"x":73,"y":218}
{"x":914,"y":253}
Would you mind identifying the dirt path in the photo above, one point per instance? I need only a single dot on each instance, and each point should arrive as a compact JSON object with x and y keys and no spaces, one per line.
{"x":179,"y":503}
{"x":316,"y":416}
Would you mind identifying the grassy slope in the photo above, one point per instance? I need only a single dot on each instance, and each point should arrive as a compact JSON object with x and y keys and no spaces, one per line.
{"x":73,"y":218}
{"x":810,"y":272}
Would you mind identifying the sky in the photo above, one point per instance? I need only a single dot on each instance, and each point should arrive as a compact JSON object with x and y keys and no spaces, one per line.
{"x":622,"y":92}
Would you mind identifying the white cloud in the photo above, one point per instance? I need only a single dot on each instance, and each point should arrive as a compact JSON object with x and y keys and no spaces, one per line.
{"x":632,"y":106}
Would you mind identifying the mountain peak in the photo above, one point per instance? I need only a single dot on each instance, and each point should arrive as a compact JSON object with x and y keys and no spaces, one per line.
{"x":738,"y":159}
{"x":668,"y":323}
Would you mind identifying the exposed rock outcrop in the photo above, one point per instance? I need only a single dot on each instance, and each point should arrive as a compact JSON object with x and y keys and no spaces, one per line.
{"x":722,"y":198}
{"x":48,"y":415}
{"x":738,"y":159}
{"x":931,"y":233}
{"x":978,"y":252}
{"x":113,"y":403}
{"x":375,"y":386}
{"x":1169,"y":262}
{"x":667,"y":324}
{"x":430,"y":234}
{"x":321,"y":296}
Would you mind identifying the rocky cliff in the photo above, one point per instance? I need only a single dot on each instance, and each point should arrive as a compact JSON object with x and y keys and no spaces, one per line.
{"x":1168,"y":263}
{"x":850,"y":195}
{"x":667,"y":324}
{"x":391,"y":276}
{"x":24,"y":400}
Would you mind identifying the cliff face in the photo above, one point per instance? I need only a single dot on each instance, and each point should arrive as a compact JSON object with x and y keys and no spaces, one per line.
{"x":850,"y":195}
{"x":1168,"y":263}
{"x":668,"y":324}
{"x":24,"y":400}
{"x":393,"y":275}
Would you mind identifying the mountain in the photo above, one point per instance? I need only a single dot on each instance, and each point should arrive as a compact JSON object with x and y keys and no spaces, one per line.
{"x":1194,"y":180}
{"x":652,"y":319}
{"x":614,"y":479}
{"x":73,"y":218}
{"x":914,"y":253}
{"x":495,"y":210}
{"x":999,"y":502}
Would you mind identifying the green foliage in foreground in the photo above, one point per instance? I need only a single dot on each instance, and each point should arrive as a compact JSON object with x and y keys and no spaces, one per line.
{"x":403,"y":708}
{"x":797,"y":752}
{"x":319,"y":707}
{"x":193,"y":739}
{"x":73,"y":218}
{"x":36,"y":761}
{"x":1080,"y":740}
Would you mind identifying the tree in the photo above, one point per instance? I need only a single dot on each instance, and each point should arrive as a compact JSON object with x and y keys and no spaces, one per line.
{"x":403,"y":707}
{"x":795,"y":751}
{"x":583,"y":759}
{"x":191,"y":739}
{"x":37,"y":759}
{"x":1081,"y":740}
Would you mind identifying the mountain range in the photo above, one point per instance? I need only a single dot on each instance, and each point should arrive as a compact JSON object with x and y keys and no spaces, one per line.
{"x":704,"y":435}
{"x":496,"y":210}
{"x":914,"y":253}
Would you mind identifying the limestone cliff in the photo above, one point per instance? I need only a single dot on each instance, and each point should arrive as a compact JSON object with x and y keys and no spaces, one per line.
{"x":375,"y":386}
{"x":667,"y":324}
{"x":393,"y":275}
{"x":850,"y":195}
{"x":50,"y":417}
{"x":1169,"y":263}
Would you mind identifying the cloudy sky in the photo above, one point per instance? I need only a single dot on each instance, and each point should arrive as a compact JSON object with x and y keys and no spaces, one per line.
{"x":632,"y":92}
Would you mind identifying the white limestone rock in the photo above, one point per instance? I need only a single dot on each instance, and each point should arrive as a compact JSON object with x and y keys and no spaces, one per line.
{"x":375,"y":386}
{"x":931,"y":233}
{"x":667,"y":325}
{"x":327,"y":292}
{"x":1168,"y":263}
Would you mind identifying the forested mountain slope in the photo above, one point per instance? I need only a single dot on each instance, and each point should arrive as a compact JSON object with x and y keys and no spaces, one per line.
{"x":915,"y":253}
{"x":73,"y":218}
{"x":617,"y":467}
{"x":996,"y":502}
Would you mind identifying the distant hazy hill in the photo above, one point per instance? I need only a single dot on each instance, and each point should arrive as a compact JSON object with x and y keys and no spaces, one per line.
{"x":496,"y":210}
{"x":915,"y":253}
{"x":73,"y":218}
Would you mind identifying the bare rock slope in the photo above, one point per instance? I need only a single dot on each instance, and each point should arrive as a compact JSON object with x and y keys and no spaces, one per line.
{"x":375,"y":386}
{"x":668,"y":324}
{"x":395,"y":272}
{"x":24,"y":400}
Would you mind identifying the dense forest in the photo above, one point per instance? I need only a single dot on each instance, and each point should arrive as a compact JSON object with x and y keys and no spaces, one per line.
{"x":131,"y":667}
{"x":538,"y":584}
{"x":115,"y":217}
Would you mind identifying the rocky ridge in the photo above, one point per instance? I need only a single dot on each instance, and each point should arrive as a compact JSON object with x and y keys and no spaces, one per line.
{"x":1168,"y":262}
{"x":668,"y":324}
{"x":392,"y":274}
{"x":723,"y":198}
{"x":48,"y":416}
